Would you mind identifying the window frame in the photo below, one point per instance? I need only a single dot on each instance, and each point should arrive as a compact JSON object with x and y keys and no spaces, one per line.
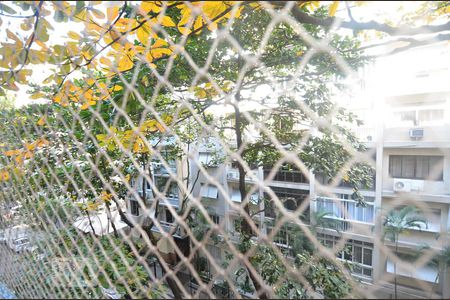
{"x":134,"y":207}
{"x":393,"y":158}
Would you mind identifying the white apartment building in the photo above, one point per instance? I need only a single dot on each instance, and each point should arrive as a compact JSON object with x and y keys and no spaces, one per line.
{"x":405,"y":104}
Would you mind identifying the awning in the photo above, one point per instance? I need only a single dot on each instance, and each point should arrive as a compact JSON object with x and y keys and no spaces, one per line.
{"x":100,"y":222}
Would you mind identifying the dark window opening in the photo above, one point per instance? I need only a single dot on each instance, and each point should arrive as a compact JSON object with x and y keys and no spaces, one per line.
{"x":134,"y":207}
{"x":416,"y":167}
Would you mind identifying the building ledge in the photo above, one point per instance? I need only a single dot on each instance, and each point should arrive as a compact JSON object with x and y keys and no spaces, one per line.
{"x":439,"y":198}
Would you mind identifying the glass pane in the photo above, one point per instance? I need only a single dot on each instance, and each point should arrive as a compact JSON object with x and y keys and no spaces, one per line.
{"x":395,"y":166}
{"x":369,"y":214}
{"x":367,"y":257}
{"x":357,"y":254}
{"x":408,"y":166}
{"x":357,"y":269}
{"x":367,"y":272}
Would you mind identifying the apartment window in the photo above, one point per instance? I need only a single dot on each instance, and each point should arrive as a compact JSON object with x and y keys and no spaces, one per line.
{"x":215,"y":252}
{"x":236,"y":196}
{"x":134,"y":207}
{"x":169,"y":216}
{"x":358,"y":253}
{"x":416,"y":167}
{"x":215,"y":218}
{"x":209,"y":191}
{"x":166,"y":184}
{"x":430,"y":115}
{"x":291,"y":199}
{"x":206,"y":158}
{"x":419,"y":116}
{"x":347,"y":209}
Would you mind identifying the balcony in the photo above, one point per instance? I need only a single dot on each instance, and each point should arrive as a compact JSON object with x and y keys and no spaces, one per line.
{"x":169,"y":199}
{"x":170,"y":228}
{"x":365,"y":134}
{"x":160,"y":170}
{"x":344,"y":215}
{"x":294,"y":176}
{"x":233,"y":175}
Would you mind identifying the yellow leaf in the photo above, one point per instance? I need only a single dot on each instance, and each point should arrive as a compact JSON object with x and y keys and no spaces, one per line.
{"x":150,"y":6}
{"x":124,"y":64}
{"x":106,"y":61}
{"x":105,"y":196}
{"x":12,"y":152}
{"x":198,"y":23}
{"x":74,"y":35}
{"x":333,"y":8}
{"x":200,"y":93}
{"x":42,"y":142}
{"x":117,"y":88}
{"x":160,"y":127}
{"x":168,"y":22}
{"x":97,"y":13}
{"x":14,"y":37}
{"x":4,"y":175}
{"x":159,"y":43}
{"x":41,"y":121}
{"x":143,"y":34}
{"x":48,"y":79}
{"x":37,"y":95}
{"x":25,"y":25}
{"x":160,"y":52}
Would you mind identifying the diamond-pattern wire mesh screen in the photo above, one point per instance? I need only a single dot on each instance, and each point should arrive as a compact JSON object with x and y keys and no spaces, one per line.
{"x":165,"y":186}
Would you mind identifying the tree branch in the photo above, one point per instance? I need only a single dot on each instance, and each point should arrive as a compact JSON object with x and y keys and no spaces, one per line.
{"x":31,"y":38}
{"x":305,"y":18}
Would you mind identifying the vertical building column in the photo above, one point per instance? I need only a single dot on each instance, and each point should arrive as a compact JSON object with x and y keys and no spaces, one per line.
{"x":227,"y":224}
{"x":378,"y":260}
{"x":312,"y":196}
{"x":262,"y":215}
{"x":444,"y":277}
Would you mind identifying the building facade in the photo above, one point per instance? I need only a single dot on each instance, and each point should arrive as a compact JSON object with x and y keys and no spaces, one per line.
{"x":409,"y":146}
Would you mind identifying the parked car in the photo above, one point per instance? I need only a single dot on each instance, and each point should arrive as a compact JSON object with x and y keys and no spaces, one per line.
{"x":20,"y":244}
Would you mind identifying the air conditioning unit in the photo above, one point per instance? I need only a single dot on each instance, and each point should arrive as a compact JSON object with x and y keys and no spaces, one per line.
{"x":402,"y":185}
{"x":416,"y":133}
{"x":233,"y":175}
{"x":157,"y":165}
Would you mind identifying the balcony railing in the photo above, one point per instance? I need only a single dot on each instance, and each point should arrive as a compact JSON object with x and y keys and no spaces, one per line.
{"x":288,"y":176}
{"x":344,"y":213}
{"x":169,"y":228}
{"x":365,"y":134}
{"x":160,"y":170}
{"x":233,"y":175}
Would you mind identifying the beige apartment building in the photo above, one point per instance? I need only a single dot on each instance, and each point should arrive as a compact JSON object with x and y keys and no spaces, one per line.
{"x":405,"y":103}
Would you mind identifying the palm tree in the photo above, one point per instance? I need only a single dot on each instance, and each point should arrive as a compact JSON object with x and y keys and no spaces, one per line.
{"x":442,"y":262}
{"x":398,"y":221}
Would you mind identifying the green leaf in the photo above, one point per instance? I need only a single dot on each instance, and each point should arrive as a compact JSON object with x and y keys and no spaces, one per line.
{"x":59,"y":16}
{"x":7,"y":9}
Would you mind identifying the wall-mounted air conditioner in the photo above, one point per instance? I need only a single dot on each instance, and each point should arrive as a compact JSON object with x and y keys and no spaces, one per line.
{"x":157,"y":165}
{"x":416,"y":133}
{"x":402,"y":185}
{"x":233,"y":175}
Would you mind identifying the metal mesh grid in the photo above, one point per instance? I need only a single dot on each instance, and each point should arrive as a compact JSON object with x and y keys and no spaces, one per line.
{"x":132,"y":198}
